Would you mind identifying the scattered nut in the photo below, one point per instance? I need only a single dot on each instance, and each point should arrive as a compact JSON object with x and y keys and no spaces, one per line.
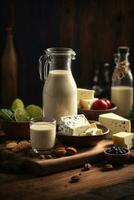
{"x":59,"y":152}
{"x":11,"y":145}
{"x":107,"y":167}
{"x":60,"y":148}
{"x":41,"y":156}
{"x":87,"y":167}
{"x":21,"y":146}
{"x":75,"y":178}
{"x":71,"y":151}
{"x":48,"y":156}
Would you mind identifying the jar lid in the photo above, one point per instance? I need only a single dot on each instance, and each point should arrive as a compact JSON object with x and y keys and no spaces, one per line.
{"x":60,"y":51}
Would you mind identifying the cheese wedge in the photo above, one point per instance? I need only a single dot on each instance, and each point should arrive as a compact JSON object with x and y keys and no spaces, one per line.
{"x":123,"y":139}
{"x":87,"y":103}
{"x":115,"y":123}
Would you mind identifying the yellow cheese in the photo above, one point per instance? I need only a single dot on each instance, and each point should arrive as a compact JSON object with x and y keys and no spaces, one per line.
{"x":84,"y":94}
{"x":87,"y":103}
{"x":123,"y":139}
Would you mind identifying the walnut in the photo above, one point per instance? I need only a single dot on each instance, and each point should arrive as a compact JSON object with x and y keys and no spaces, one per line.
{"x":21,"y":146}
{"x":11,"y":145}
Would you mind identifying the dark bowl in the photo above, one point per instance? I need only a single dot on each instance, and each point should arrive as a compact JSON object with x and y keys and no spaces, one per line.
{"x":94,"y":114}
{"x":117,"y":159}
{"x":83,"y":141}
{"x":16,"y":130}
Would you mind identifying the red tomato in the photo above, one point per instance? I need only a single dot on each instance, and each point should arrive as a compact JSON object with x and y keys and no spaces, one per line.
{"x":100,"y":104}
{"x":108,"y":103}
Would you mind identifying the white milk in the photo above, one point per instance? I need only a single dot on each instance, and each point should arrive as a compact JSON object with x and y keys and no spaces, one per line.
{"x":122,"y":96}
{"x":59,"y":94}
{"x":42,"y":135}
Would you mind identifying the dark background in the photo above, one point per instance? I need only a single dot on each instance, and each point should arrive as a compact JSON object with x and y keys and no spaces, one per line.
{"x":93,"y":28}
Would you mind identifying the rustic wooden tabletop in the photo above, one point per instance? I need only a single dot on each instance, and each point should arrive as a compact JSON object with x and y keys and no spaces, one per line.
{"x":93,"y":184}
{"x":97,"y":183}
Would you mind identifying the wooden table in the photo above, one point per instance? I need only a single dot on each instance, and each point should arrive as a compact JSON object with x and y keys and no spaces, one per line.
{"x":94,"y":184}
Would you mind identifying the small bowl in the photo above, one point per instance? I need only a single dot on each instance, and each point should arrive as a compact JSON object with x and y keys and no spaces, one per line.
{"x":94,"y":114}
{"x":83,"y":141}
{"x":16,"y":130}
{"x":116,"y":159}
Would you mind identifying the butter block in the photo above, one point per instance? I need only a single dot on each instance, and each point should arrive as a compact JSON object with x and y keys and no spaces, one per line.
{"x":73,"y":125}
{"x":87,"y":103}
{"x":115,"y":123}
{"x":124,"y":139}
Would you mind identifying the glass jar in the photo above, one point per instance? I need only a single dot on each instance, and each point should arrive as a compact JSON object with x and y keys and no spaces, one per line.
{"x":60,"y":90}
{"x":122,"y":83}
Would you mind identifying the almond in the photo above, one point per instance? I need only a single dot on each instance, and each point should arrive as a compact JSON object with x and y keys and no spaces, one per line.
{"x":59,"y":152}
{"x":87,"y":166}
{"x":75,"y":178}
{"x":71,"y":151}
{"x":60,"y":148}
{"x":107,"y":167}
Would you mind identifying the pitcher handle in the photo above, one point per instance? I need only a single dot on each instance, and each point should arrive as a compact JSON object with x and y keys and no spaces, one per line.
{"x":43,"y":67}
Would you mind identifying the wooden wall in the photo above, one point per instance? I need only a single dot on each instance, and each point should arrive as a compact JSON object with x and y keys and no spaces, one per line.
{"x":93,"y":28}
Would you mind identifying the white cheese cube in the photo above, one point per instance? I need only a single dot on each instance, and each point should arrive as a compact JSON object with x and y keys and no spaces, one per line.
{"x":73,"y":125}
{"x":87,"y":103}
{"x":93,"y":131}
{"x":123,"y":139}
{"x":115,"y":123}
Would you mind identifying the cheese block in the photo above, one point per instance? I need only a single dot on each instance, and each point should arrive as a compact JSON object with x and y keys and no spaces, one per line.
{"x":123,"y":139}
{"x":87,"y":103}
{"x":115,"y":123}
{"x":84,"y":94}
{"x":73,"y":125}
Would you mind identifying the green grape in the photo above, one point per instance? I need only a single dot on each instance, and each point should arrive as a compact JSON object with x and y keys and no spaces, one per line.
{"x":34,"y":110}
{"x":21,"y":115}
{"x":17,"y":103}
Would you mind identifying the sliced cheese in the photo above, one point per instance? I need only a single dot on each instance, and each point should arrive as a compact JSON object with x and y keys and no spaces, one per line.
{"x":123,"y":139}
{"x":115,"y":123}
{"x":73,"y":125}
{"x":87,"y":103}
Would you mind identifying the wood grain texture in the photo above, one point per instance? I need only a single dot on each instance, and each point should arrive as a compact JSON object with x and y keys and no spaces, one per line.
{"x":93,"y":183}
{"x":15,"y":163}
{"x":93,"y":28}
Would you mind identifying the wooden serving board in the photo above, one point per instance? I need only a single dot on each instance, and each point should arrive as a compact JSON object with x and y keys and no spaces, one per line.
{"x":13,"y":162}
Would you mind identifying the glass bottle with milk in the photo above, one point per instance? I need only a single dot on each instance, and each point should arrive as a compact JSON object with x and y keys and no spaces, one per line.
{"x":60,"y":90}
{"x":122,"y":83}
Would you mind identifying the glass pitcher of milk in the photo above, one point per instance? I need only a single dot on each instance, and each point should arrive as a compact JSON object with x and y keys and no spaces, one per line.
{"x":122,"y":83}
{"x":60,"y":90}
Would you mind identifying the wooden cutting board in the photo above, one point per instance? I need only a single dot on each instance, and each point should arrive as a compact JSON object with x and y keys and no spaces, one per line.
{"x":13,"y":162}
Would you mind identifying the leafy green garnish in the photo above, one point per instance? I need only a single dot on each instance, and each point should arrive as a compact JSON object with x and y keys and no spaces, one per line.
{"x":6,"y":114}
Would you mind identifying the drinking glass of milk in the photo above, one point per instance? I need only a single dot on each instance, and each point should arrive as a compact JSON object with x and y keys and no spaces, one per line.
{"x":42,"y":134}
